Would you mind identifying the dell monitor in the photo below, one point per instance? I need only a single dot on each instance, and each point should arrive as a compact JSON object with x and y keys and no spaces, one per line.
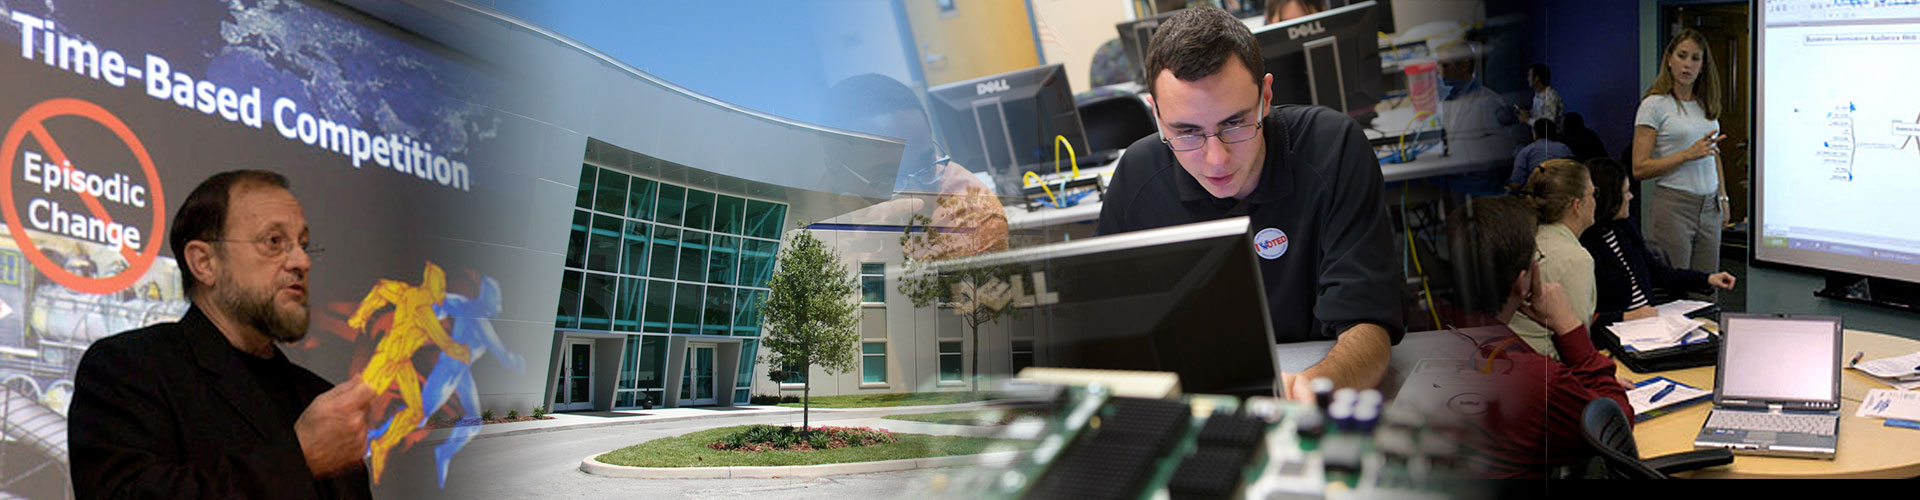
{"x":1183,"y":299}
{"x":1330,"y":59}
{"x":1005,"y":124}
{"x":1135,"y":36}
{"x":1838,"y":146}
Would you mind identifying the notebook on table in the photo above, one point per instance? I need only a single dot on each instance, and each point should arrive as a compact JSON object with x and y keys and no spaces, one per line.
{"x":1777,"y":389}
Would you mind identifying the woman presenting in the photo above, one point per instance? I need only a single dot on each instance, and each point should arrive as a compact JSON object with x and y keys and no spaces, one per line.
{"x":1676,"y":141}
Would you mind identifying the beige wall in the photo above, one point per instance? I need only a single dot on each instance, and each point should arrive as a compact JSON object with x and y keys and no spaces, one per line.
{"x":1071,"y":30}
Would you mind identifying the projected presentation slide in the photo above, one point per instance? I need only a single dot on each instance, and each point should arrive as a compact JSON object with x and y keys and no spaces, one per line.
{"x":1840,"y":136}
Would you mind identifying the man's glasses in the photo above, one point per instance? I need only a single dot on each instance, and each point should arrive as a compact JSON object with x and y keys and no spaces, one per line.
{"x":276,"y":245}
{"x":1230,"y":135}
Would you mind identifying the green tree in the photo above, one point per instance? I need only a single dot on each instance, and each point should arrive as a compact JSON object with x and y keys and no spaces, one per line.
{"x":979,"y":293}
{"x":811,"y":314}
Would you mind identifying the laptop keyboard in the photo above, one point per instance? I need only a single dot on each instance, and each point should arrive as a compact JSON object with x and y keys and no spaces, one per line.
{"x":1821,"y":425}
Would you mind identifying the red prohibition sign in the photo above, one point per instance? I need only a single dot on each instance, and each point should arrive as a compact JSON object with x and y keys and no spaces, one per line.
{"x":34,"y":122}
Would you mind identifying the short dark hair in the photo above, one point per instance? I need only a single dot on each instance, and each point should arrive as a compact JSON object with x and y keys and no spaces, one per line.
{"x":203,"y":216}
{"x":1608,"y":176}
{"x":1540,"y":71}
{"x":1543,"y":129}
{"x":1196,"y":42}
{"x":1492,"y":239}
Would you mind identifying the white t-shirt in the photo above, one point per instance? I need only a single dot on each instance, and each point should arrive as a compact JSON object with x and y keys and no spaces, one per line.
{"x":1676,"y":126}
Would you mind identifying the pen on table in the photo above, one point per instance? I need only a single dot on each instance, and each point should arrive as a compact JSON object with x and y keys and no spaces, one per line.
{"x":1856,"y":358}
{"x":1663,"y":393}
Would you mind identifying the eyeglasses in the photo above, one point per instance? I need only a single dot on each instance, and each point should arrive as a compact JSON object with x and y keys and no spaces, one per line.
{"x":275,"y":245}
{"x":1230,"y":135}
{"x":930,"y":174}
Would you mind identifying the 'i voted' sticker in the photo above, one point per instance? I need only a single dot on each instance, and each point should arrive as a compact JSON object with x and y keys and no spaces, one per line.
{"x":1270,"y":243}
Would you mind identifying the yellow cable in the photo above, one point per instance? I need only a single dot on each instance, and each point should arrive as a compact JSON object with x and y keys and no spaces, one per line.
{"x":1033,"y":178}
{"x":1402,"y":146}
{"x":1061,"y":140}
{"x":1417,"y":269}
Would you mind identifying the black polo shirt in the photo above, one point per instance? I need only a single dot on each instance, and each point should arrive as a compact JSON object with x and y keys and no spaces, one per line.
{"x":1320,"y":188}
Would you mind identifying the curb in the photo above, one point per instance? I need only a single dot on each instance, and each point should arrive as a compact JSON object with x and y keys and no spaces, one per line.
{"x":598,"y":468}
{"x":432,"y":438}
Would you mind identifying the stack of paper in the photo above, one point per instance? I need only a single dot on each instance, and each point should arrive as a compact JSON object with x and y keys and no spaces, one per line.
{"x":1658,"y":332}
{"x":1901,"y":372}
{"x":1883,"y":403}
{"x":1681,"y":307}
{"x":1643,"y":394}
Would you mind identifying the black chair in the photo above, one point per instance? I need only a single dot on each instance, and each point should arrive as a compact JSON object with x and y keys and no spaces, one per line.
{"x":1609,"y":432}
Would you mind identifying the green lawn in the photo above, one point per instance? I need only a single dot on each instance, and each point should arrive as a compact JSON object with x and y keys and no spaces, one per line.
{"x":898,"y":399}
{"x":970,"y":417}
{"x":690,"y":450}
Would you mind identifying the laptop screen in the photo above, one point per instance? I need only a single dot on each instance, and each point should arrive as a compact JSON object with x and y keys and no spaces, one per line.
{"x":1770,"y":358}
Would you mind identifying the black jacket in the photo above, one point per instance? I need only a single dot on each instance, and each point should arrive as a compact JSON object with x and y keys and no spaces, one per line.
{"x":1615,"y":272}
{"x":171,"y":411}
{"x":1320,"y":192}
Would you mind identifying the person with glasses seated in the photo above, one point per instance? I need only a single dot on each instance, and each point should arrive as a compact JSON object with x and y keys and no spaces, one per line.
{"x":208,"y":407}
{"x":1304,"y":175}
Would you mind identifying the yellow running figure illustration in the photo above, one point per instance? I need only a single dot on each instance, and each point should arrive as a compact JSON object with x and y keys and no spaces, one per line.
{"x":414,"y":324}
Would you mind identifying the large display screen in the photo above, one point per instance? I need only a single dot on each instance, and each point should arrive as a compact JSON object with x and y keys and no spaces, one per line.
{"x":1839,"y":128}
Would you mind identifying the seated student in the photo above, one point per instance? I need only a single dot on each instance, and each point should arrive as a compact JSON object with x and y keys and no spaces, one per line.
{"x":1543,"y":148}
{"x":1562,"y":200}
{"x":1625,"y":273}
{"x":1533,"y":418}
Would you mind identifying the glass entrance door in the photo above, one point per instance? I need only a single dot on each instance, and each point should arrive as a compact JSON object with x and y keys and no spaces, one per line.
{"x":696,"y":381}
{"x":574,"y":389}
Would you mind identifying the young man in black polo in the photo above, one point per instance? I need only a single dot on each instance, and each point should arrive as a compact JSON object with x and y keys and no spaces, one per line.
{"x":1303,"y":174}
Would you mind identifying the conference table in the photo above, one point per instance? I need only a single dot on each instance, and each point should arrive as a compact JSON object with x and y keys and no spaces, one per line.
{"x":1868,"y":449}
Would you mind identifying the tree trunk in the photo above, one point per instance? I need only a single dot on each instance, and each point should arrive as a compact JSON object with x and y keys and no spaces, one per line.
{"x":806,"y":392}
{"x":974,"y":386}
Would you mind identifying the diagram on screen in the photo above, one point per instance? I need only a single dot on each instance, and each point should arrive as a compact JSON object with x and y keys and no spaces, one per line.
{"x":1839,"y":149}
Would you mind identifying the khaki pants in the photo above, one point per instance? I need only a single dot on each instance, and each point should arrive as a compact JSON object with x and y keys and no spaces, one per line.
{"x":1683,"y":229}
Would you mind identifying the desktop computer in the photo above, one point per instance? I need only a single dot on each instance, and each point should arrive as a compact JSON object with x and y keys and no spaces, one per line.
{"x":1330,"y":59}
{"x":1006,"y":124}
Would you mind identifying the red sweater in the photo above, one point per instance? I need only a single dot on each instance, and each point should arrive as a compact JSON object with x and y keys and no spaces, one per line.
{"x":1534,"y":420}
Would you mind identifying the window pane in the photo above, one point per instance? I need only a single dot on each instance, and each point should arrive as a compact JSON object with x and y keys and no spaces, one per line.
{"x":603,"y":250}
{"x":634,"y":256}
{"x":666,"y":251}
{"x":873,"y":348}
{"x":627,"y":400}
{"x":1022,"y":354}
{"x":873,"y":288}
{"x":640,"y":199}
{"x":596,"y":311}
{"x":749,"y":350}
{"x":569,"y":312}
{"x":653,"y":361}
{"x":764,"y":219}
{"x":659,"y":306}
{"x":723,"y":259}
{"x":584,"y":197}
{"x":610,"y":194}
{"x":795,"y":375}
{"x":693,"y":256}
{"x":719,"y":320}
{"x":950,"y":370}
{"x":686,"y":309}
{"x":746,"y":317}
{"x":742,"y":396}
{"x":629,"y":356}
{"x":672,"y":202}
{"x":873,"y":369}
{"x":727,"y":214}
{"x":873,"y":268}
{"x":756,"y":262}
{"x":577,"y":239}
{"x":699,"y":214}
{"x":626,"y":317}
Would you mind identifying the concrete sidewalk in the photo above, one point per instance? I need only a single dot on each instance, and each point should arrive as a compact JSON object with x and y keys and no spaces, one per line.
{"x":585,"y":420}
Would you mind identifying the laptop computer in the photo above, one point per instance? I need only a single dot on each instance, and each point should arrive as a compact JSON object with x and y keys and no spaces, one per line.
{"x":1777,"y":390}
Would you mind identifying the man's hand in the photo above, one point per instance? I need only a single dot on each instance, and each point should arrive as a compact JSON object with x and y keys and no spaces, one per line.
{"x":333,"y":429}
{"x":1721,"y":280}
{"x":1549,"y":307}
{"x":1296,"y":387}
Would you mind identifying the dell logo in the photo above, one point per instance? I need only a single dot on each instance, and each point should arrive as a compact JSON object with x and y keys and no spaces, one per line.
{"x":985,"y":88}
{"x":1308,"y":29}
